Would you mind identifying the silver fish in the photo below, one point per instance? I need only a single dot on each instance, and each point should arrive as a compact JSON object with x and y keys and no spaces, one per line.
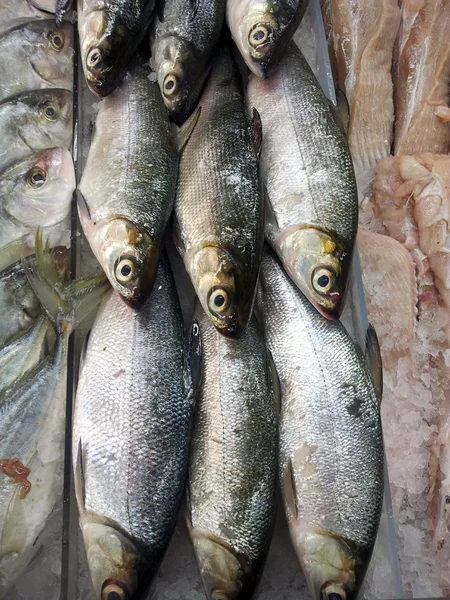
{"x":12,"y":12}
{"x":219,"y":208}
{"x":35,"y":192}
{"x":127,"y":190}
{"x":43,"y":58}
{"x":184,"y":34}
{"x":311,"y":197}
{"x":262,"y":29}
{"x":34,"y":121}
{"x":133,"y":417}
{"x":331,"y":445}
{"x":233,"y":462}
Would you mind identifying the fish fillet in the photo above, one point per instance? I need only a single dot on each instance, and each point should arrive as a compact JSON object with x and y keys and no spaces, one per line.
{"x":423,"y":77}
{"x":364,"y":34}
{"x":391,"y":293}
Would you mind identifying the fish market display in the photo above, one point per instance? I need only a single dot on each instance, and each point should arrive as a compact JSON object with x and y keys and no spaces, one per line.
{"x":35,"y":192}
{"x":331,"y":449}
{"x":34,"y":121}
{"x":262,"y":29}
{"x":110,"y":32}
{"x":423,"y":78}
{"x":218,"y":209}
{"x":12,"y":12}
{"x":128,"y":186}
{"x":133,"y":416}
{"x":310,"y":188}
{"x":183,"y":37}
{"x":233,"y":463}
{"x":363,"y":35}
{"x":43,"y":58}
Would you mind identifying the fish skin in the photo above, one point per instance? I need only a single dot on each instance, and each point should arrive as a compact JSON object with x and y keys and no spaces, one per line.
{"x":280,"y":19}
{"x":182,"y":40}
{"x":110,"y":32}
{"x":43,"y":58}
{"x":134,"y":405}
{"x":25,"y":204}
{"x":310,"y":188}
{"x":34,"y":121}
{"x":12,"y":12}
{"x":129,"y":183}
{"x":331,"y":445}
{"x":233,"y":462}
{"x":219,"y":207}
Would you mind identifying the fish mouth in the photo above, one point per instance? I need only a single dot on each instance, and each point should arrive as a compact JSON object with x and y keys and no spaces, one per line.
{"x":331,"y":313}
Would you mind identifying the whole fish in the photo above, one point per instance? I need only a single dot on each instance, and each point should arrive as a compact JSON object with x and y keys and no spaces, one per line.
{"x":14,"y":11}
{"x":110,"y":31}
{"x":36,"y":192}
{"x":34,"y":121}
{"x":331,"y":445}
{"x":182,"y":40}
{"x":311,"y":196}
{"x":262,"y":29}
{"x":32,"y":415}
{"x":133,"y":417}
{"x":233,"y":462}
{"x":127,"y":190}
{"x":43,"y":58}
{"x":219,"y":208}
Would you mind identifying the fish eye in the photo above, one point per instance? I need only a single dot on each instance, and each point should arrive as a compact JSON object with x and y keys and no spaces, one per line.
{"x":36,"y":177}
{"x":323,"y":280}
{"x":125,"y":270}
{"x":94,"y":57}
{"x":56,"y":40}
{"x":115,"y":591}
{"x":48,"y":110}
{"x":219,"y":301}
{"x":259,"y":35}
{"x":332,"y":591}
{"x":170,"y":84}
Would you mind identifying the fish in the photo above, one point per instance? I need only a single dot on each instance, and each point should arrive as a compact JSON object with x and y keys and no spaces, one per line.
{"x":110,"y":32}
{"x":34,"y":121}
{"x":12,"y":12}
{"x":32,"y":420}
{"x":62,"y":8}
{"x":363,"y":56}
{"x":233,"y":462}
{"x":331,"y":465}
{"x":127,"y":190}
{"x":43,"y":58}
{"x":309,"y":182}
{"x":219,"y":206}
{"x":37,"y":191}
{"x":261,"y":29}
{"x":422,"y":78}
{"x":183,"y":37}
{"x":133,"y":415}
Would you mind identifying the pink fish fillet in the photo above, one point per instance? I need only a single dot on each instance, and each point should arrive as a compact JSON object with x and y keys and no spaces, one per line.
{"x":364,"y":34}
{"x":423,"y":77}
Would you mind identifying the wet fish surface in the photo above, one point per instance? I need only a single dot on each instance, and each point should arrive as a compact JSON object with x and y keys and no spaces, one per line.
{"x":43,"y":58}
{"x":128,"y":186}
{"x":233,"y":462}
{"x":262,"y":29}
{"x":182,"y":40}
{"x":14,"y":11}
{"x":34,"y":121}
{"x":110,"y":32}
{"x":310,"y":188}
{"x":133,"y":416}
{"x":219,"y":208}
{"x":331,"y":446}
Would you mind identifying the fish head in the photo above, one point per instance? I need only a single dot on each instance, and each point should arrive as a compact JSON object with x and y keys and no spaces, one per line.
{"x":180,"y":76}
{"x":259,"y":30}
{"x":38,"y":190}
{"x":128,"y":256}
{"x":50,"y":118}
{"x":222,"y":290}
{"x":225,"y":575}
{"x":319,"y":266}
{"x":330,"y":566}
{"x":115,"y":563}
{"x":52,"y":59}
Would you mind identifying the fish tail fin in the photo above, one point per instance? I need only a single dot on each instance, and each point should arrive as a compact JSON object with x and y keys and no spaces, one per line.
{"x":66,"y":303}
